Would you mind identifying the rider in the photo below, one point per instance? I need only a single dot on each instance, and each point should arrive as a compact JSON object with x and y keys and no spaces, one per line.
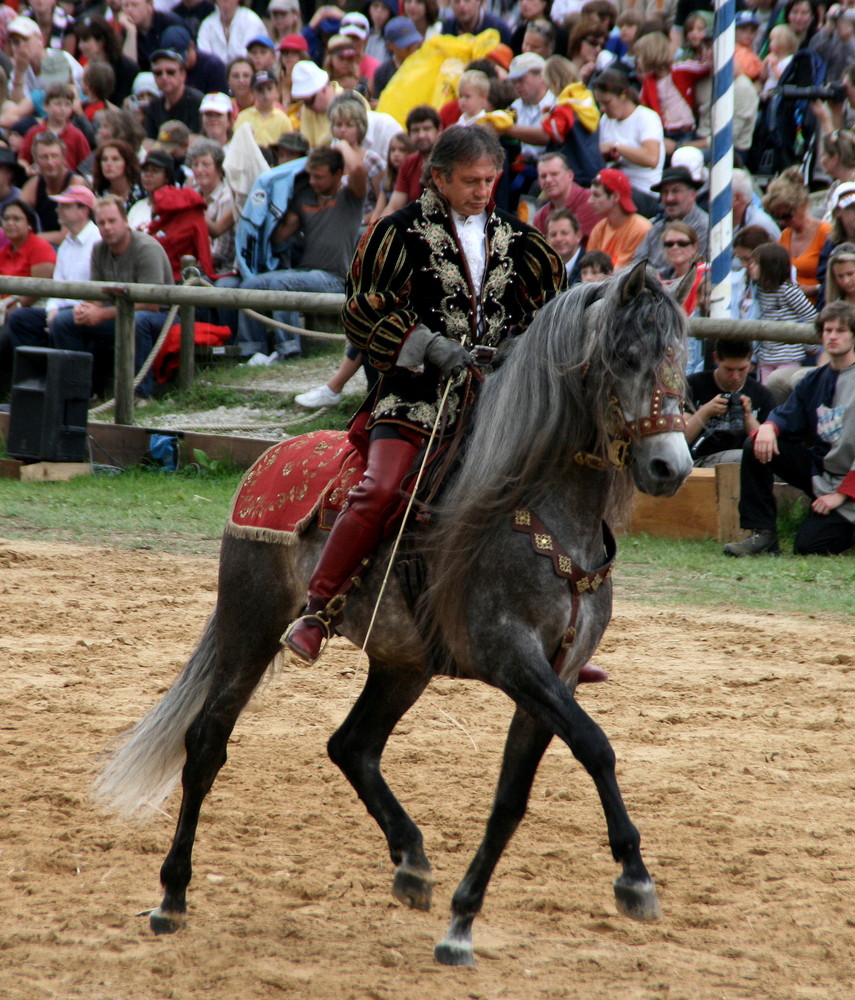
{"x":443,"y":275}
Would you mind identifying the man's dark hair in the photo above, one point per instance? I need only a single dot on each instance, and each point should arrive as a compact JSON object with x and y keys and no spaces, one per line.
{"x":733,"y":349}
{"x":553,"y":155}
{"x":326,"y":156}
{"x":839,"y":309}
{"x":461,"y":145}
{"x":422,"y":113}
{"x":564,"y":213}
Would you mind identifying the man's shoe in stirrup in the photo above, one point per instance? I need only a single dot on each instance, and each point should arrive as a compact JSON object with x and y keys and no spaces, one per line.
{"x":757,"y":543}
{"x":306,"y":636}
{"x":590,"y":674}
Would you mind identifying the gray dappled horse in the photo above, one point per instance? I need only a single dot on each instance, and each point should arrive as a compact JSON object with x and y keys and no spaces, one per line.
{"x":590,"y":394}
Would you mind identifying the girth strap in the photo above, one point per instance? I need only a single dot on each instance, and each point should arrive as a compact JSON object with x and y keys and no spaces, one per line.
{"x":544,"y":543}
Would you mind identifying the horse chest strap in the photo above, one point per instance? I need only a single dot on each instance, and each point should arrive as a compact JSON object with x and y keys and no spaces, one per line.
{"x":544,"y":543}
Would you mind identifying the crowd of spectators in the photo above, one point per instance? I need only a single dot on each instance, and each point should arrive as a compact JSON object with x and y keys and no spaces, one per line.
{"x":124,"y":120}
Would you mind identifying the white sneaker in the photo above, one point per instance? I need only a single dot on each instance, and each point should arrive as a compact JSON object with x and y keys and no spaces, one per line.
{"x":259,"y":360}
{"x":322,"y":395}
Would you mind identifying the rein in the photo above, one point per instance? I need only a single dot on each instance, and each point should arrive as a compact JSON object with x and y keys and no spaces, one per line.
{"x":544,"y":543}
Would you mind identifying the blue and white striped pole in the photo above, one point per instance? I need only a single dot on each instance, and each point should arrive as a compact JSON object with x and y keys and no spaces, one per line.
{"x":721,"y":174}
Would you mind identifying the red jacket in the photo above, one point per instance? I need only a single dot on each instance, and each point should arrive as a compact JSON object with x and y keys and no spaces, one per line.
{"x":178,"y":224}
{"x":685,"y":76}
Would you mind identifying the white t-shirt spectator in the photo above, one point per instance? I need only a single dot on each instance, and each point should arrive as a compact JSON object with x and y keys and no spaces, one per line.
{"x":245,"y":26}
{"x":641,"y":125}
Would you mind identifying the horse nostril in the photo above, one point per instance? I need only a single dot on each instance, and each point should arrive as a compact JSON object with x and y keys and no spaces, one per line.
{"x":660,"y":469}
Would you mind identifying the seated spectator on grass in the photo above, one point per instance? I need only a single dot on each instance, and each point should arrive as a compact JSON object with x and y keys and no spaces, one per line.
{"x":809,"y":442}
{"x":725,"y":404}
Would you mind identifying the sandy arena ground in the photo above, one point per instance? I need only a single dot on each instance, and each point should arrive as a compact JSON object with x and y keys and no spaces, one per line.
{"x":734,"y":735}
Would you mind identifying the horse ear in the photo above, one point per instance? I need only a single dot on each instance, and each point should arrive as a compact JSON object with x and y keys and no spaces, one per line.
{"x":633,"y":283}
{"x":687,"y":283}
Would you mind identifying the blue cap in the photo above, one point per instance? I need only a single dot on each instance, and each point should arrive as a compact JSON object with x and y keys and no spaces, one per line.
{"x":264,"y":40}
{"x":401,"y":32}
{"x":176,"y":37}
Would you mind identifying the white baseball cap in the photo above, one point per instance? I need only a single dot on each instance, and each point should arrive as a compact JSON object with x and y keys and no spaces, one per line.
{"x":525,"y":63}
{"x":356,"y":25}
{"x":219,"y":102}
{"x":307,"y":78}
{"x":26,"y":27}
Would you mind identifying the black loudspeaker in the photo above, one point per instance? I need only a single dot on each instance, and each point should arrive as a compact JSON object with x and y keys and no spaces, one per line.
{"x":49,"y":406}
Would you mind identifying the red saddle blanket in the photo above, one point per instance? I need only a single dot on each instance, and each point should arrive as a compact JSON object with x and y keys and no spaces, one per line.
{"x":292,"y":484}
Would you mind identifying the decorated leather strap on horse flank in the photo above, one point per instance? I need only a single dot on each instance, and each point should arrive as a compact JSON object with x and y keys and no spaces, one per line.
{"x":544,"y":543}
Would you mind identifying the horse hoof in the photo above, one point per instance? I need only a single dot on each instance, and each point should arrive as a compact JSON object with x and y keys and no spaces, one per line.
{"x":162,"y":922}
{"x":637,"y":900}
{"x":413,"y":888}
{"x":451,"y":952}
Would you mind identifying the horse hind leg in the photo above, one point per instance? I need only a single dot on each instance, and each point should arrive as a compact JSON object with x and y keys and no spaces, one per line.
{"x":357,"y":747}
{"x":525,"y":746}
{"x":255,"y":605}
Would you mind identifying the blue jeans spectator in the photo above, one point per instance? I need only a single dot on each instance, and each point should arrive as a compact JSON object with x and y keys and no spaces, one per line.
{"x":252,"y":333}
{"x":66,"y":335}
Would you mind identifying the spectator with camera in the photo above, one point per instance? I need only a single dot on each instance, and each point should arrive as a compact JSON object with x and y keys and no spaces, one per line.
{"x":725,"y":404}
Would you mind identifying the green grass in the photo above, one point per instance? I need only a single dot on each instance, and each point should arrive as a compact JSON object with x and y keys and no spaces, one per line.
{"x":697,"y":573}
{"x":139,"y":509}
{"x":185,"y":512}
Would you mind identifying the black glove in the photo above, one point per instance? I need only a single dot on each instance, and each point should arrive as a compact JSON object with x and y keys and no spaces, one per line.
{"x":449,"y":356}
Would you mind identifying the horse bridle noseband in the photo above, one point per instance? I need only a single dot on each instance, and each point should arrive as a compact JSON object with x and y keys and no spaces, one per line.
{"x":668,"y":383}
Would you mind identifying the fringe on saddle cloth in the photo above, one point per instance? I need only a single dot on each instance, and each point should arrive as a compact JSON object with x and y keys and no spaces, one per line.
{"x":292,"y":485}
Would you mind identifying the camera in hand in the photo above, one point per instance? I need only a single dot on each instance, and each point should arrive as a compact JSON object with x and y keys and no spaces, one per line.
{"x":834,"y":93}
{"x":732,"y":420}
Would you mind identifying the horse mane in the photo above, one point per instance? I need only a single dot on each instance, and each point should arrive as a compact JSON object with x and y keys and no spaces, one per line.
{"x":550,"y":400}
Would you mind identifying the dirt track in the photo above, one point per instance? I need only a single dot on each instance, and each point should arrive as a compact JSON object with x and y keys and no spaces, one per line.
{"x":735,"y":740}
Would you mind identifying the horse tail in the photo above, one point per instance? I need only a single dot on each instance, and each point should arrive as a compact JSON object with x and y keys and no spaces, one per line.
{"x":144,"y":764}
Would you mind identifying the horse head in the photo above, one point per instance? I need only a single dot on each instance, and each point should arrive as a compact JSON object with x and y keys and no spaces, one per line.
{"x":642,"y":348}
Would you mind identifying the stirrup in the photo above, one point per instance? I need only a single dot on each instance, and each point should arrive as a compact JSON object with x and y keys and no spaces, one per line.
{"x":316,"y":619}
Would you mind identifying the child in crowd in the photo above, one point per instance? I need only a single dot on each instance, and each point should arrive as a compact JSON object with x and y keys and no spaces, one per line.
{"x":267,"y":119}
{"x":696,"y":28}
{"x":262,"y":54}
{"x":782,"y":47}
{"x":595,"y":265}
{"x":746,"y":62}
{"x":400,"y":147}
{"x":98,"y":84}
{"x":840,"y":277}
{"x":779,"y":300}
{"x":473,"y":91}
{"x":621,"y":43}
{"x":59,"y":105}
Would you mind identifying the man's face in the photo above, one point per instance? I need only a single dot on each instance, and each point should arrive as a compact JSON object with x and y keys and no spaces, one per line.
{"x":50,"y":161}
{"x":424,"y":135}
{"x":530,"y":87}
{"x":466,"y":12}
{"x":470,"y":186}
{"x":563,"y":238}
{"x":601,"y":200}
{"x":555,"y":179}
{"x":677,"y":199}
{"x":139,"y":12}
{"x":837,"y":339}
{"x":112,"y":227}
{"x":731,"y":373}
{"x":170,"y":77}
{"x":323,"y":181}
{"x":19,"y":44}
{"x":72,"y":217}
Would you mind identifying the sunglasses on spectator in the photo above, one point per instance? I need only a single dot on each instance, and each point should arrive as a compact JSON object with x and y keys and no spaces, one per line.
{"x":670,"y":244}
{"x":164,"y":72}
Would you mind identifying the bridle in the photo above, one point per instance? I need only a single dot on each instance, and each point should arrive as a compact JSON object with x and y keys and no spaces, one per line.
{"x":668,"y":382}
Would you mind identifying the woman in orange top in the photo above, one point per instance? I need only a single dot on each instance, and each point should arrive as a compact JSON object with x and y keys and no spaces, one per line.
{"x":802,"y":234}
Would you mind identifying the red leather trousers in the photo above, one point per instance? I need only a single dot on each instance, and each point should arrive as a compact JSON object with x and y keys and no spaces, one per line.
{"x":363,"y":523}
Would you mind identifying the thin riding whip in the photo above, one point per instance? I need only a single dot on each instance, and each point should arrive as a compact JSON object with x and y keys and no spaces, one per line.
{"x":418,"y":479}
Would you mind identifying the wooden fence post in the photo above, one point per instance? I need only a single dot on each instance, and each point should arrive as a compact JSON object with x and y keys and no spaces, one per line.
{"x":125,"y":337}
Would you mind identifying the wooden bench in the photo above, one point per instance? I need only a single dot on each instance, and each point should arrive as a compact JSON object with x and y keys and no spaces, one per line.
{"x":705,"y":506}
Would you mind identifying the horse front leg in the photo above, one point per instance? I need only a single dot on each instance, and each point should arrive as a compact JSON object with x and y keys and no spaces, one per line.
{"x":539,"y":692}
{"x":357,"y":747}
{"x":525,"y":746}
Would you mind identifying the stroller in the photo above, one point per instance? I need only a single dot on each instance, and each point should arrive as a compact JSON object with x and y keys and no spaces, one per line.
{"x":786,"y":130}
